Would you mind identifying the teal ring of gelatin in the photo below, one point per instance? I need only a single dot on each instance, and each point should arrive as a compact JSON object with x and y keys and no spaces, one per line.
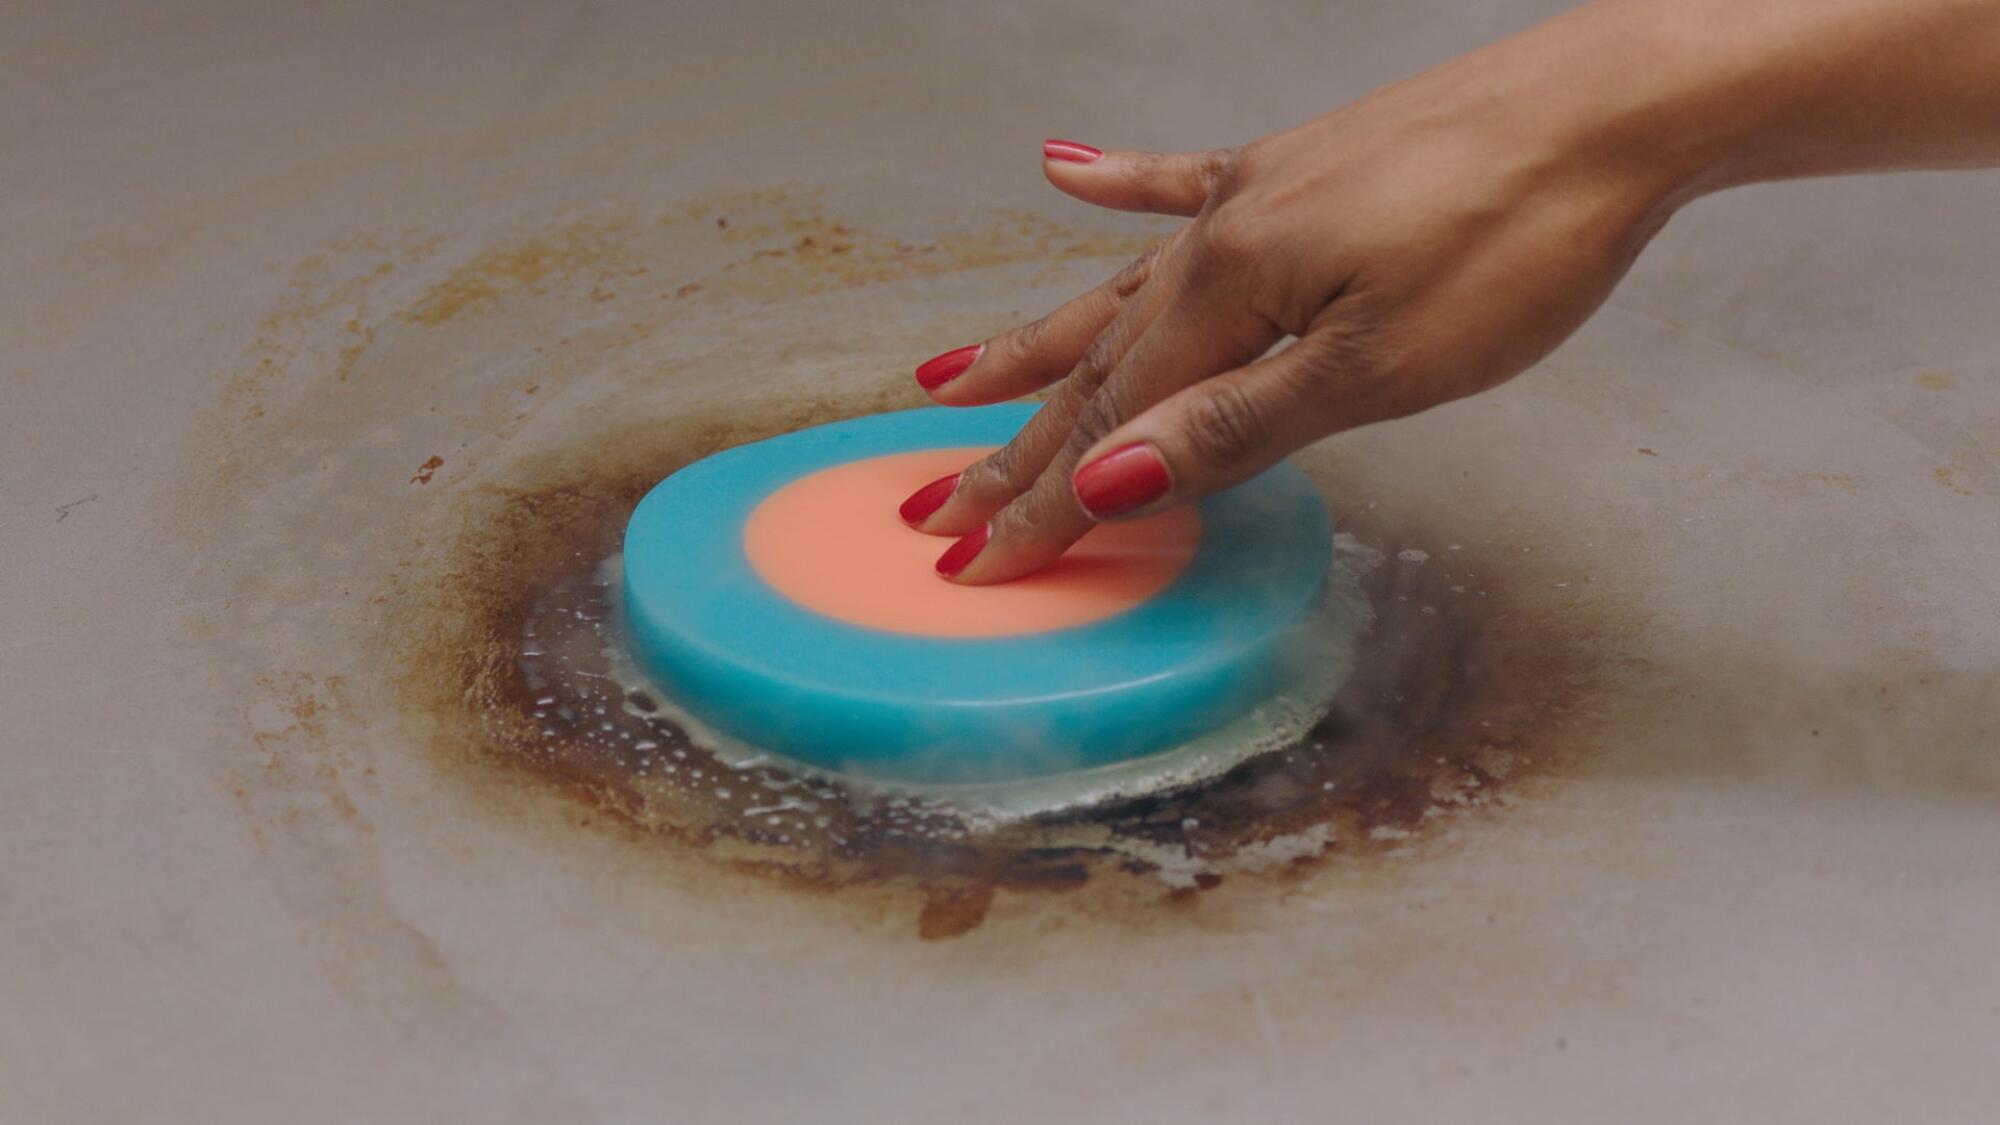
{"x":736,"y":654}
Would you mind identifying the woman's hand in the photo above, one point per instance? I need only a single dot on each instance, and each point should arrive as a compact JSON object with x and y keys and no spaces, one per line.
{"x":1422,"y":244}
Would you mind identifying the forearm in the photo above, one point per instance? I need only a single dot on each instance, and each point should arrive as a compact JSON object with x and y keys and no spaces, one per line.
{"x":1721,"y":92}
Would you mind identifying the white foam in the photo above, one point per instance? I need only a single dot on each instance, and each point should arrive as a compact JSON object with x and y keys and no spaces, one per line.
{"x":1323,"y":658}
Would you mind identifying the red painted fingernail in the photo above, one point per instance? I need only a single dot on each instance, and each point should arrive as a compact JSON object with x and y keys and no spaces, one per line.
{"x":1073,"y":152}
{"x":960,"y":554}
{"x":1128,"y":477}
{"x":928,"y":499}
{"x":939,"y":370}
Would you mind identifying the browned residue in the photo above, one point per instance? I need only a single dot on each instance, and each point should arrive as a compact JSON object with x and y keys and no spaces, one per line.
{"x":1842,"y":481}
{"x":595,"y":249}
{"x":1465,"y":691}
{"x":1947,"y":479}
{"x":301,"y":806}
{"x":792,"y":247}
{"x":426,"y":470}
{"x":318,"y":357}
{"x":952,"y":911}
{"x":1476,"y":681}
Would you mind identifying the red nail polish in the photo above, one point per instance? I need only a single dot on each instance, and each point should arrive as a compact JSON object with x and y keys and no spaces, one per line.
{"x":942,"y":369}
{"x":1128,"y":477}
{"x":928,"y":499}
{"x":960,"y":554}
{"x":1073,"y":152}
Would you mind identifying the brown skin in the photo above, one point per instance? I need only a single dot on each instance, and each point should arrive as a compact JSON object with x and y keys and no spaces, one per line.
{"x":1442,"y":234}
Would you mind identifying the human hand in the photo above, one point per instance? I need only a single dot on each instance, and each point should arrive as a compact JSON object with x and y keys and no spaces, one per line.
{"x":1424,"y":243}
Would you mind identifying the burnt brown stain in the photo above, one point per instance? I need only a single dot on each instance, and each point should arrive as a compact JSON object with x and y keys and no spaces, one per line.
{"x":338,"y":305}
{"x":304,"y":802}
{"x":792,"y":247}
{"x":1842,"y":481}
{"x":1945,"y":478}
{"x":584,"y":246}
{"x":1473,"y":684}
{"x":952,"y":911}
{"x":428,"y":469}
{"x":1464,"y":691}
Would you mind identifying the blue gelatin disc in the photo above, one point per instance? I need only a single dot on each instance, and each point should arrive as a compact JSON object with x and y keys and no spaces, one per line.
{"x":739,"y":655}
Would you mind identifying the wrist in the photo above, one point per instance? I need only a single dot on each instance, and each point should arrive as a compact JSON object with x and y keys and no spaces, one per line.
{"x":1641,"y":91}
{"x":1699,"y":95}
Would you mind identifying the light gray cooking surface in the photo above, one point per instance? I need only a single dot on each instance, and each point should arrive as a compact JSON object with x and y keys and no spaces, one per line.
{"x":262,"y":263}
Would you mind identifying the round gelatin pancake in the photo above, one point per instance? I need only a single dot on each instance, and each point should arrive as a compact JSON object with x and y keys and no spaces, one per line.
{"x":773,"y":593}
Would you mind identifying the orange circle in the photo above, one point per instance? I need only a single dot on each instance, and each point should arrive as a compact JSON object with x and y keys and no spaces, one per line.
{"x":833,"y":543}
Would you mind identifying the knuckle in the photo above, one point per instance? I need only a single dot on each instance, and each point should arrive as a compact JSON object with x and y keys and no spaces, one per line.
{"x":1091,"y":370}
{"x":1216,"y":170}
{"x":1029,"y":516}
{"x":1021,"y":344}
{"x":1142,"y":168}
{"x":1368,"y":354}
{"x":1128,"y":281}
{"x":1037,"y":509}
{"x":1226,"y":424}
{"x":998,"y":473}
{"x":1099,"y":416}
{"x":1372,"y":373}
{"x":1345,"y":352}
{"x":1232,"y":234}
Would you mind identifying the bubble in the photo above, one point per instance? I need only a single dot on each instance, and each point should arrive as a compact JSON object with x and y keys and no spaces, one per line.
{"x":598,"y":722}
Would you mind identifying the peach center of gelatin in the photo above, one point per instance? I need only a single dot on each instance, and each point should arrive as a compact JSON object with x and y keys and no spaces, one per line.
{"x":833,"y":543}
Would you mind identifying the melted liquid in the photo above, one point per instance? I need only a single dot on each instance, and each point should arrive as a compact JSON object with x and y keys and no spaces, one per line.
{"x":1258,"y":793}
{"x":1467,"y":680}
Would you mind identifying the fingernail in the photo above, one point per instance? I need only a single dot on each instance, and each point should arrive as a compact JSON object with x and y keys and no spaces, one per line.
{"x":1073,"y":152}
{"x":939,"y":370}
{"x":1128,"y":477}
{"x":928,"y":499}
{"x":960,"y":554}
